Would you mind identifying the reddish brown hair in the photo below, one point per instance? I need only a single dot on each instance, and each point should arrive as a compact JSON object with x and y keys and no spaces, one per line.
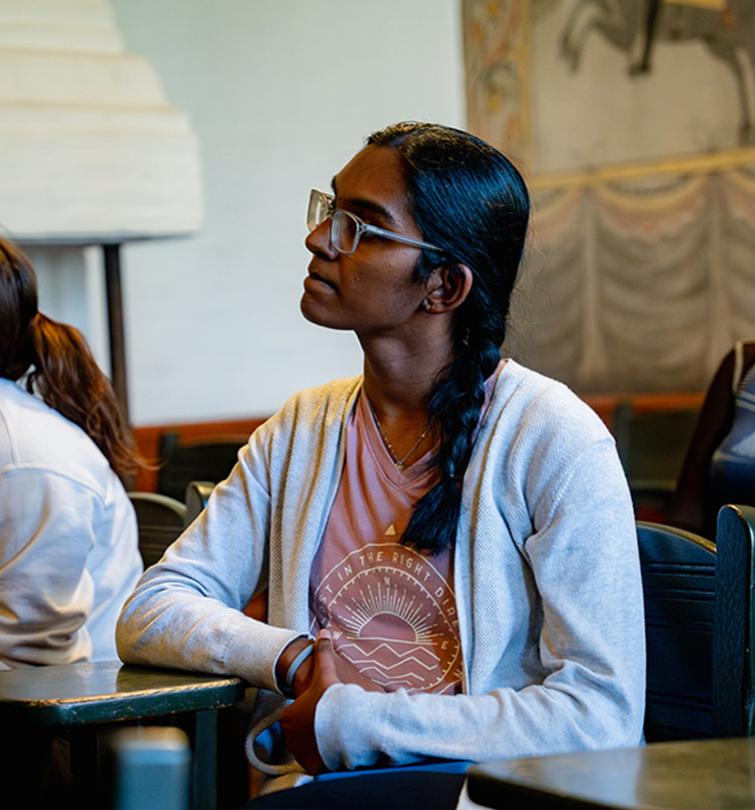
{"x":58,"y":363}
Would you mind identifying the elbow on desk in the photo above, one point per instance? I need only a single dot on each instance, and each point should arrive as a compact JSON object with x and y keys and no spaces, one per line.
{"x":129,"y":634}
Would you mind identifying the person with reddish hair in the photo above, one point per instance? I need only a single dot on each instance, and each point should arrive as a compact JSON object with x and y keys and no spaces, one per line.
{"x":68,"y":538}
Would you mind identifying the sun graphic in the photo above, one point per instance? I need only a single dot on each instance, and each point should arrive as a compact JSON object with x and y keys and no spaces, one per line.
{"x":387,"y":604}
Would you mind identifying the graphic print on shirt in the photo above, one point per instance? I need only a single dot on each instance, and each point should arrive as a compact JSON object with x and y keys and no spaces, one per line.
{"x":393,"y":616}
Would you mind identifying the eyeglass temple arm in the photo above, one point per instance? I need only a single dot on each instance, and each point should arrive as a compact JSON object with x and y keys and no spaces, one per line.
{"x":397,"y":237}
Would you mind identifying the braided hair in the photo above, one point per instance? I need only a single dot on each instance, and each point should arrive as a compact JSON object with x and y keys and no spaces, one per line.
{"x":470,"y":201}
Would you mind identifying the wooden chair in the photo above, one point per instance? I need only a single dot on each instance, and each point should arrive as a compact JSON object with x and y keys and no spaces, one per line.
{"x":697,"y":606}
{"x":199,"y":460}
{"x":160,"y":520}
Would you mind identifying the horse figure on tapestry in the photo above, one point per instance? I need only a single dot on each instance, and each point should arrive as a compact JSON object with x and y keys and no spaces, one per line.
{"x":727,"y":27}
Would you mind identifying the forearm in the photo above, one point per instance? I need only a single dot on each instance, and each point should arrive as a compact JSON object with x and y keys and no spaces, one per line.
{"x":177,"y":627}
{"x":359,"y":729}
{"x":186,"y":611}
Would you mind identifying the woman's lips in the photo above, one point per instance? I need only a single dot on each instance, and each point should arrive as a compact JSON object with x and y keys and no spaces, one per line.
{"x":316,"y":279}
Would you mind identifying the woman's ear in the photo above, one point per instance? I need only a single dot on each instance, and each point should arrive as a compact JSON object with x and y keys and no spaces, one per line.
{"x":447,"y":288}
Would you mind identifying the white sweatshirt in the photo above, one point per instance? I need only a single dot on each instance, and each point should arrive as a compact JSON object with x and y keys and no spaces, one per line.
{"x":68,"y":539}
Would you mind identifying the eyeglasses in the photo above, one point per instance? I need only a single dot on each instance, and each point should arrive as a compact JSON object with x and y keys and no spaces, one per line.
{"x":346,"y":229}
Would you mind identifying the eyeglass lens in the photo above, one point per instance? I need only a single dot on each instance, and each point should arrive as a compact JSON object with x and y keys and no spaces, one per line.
{"x":343,"y":232}
{"x":317,"y":210}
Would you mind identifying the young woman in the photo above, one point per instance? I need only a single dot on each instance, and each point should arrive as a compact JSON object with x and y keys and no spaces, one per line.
{"x":68,"y":541}
{"x":457,"y":525}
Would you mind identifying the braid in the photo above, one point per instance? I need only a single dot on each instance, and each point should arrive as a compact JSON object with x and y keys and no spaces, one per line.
{"x":468,"y":199}
{"x":455,"y":406}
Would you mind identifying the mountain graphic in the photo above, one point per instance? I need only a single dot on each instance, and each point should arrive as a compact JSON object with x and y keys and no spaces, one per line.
{"x":387,"y":648}
{"x":413,"y":667}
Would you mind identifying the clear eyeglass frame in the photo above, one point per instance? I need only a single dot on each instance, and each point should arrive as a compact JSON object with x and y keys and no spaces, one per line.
{"x":322,"y":206}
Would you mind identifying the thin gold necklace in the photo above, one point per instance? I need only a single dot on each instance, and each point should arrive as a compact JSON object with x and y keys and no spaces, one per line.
{"x":400,"y":463}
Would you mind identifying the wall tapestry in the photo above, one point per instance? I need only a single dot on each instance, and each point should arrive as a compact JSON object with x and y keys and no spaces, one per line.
{"x":633,"y":124}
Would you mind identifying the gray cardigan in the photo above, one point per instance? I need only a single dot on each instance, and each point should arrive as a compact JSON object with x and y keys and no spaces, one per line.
{"x":546,"y":576}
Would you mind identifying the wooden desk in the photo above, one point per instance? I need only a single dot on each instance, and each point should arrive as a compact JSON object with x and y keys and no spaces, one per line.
{"x":41,"y":701}
{"x":694,"y":775}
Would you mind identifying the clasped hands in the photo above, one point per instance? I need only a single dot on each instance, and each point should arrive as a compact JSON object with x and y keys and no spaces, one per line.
{"x":321,"y":670}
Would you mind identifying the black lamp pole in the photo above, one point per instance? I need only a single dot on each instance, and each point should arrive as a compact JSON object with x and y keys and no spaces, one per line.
{"x":117,"y":338}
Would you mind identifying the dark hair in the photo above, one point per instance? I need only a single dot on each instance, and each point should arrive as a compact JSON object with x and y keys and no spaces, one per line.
{"x":470,"y":201}
{"x":60,"y":366}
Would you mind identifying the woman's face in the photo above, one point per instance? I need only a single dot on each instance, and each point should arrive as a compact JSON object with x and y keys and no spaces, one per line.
{"x":371,"y":290}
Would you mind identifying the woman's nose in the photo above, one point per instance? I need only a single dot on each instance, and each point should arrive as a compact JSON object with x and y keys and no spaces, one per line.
{"x":318,"y":241}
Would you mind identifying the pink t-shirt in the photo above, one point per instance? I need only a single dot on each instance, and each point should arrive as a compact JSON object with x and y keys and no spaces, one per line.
{"x":391,"y":610}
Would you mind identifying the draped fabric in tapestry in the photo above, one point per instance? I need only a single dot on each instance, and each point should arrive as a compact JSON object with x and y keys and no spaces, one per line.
{"x":638,"y":284}
{"x":638,"y":277}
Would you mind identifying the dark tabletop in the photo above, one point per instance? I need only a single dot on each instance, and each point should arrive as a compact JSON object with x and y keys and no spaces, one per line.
{"x":694,"y":775}
{"x":77,"y":694}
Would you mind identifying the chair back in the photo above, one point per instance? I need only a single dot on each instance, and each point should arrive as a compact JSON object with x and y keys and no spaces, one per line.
{"x":198,"y":460}
{"x":733,"y":650}
{"x":160,"y":520}
{"x":699,"y":629}
{"x":732,"y":469}
{"x":197,"y":495}
{"x":651,"y":446}
{"x":148,"y":767}
{"x":678,"y":577}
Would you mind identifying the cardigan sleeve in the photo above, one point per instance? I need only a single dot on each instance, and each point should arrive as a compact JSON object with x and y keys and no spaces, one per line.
{"x":46,"y":593}
{"x":584,"y":560}
{"x":186,"y":611}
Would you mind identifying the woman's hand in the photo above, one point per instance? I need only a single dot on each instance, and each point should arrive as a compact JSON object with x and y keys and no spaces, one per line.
{"x":298,"y":719}
{"x":325,"y":667}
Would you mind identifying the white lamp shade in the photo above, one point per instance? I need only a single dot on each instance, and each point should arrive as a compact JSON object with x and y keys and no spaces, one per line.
{"x":90,"y":149}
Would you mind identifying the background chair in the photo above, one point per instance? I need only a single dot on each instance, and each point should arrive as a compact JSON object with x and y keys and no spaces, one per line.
{"x":197,"y":495}
{"x":678,"y":578}
{"x":200,"y":460}
{"x":695,"y":502}
{"x":651,"y":446}
{"x":160,"y":520}
{"x":147,"y":767}
{"x":698,"y":597}
{"x":733,"y":649}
